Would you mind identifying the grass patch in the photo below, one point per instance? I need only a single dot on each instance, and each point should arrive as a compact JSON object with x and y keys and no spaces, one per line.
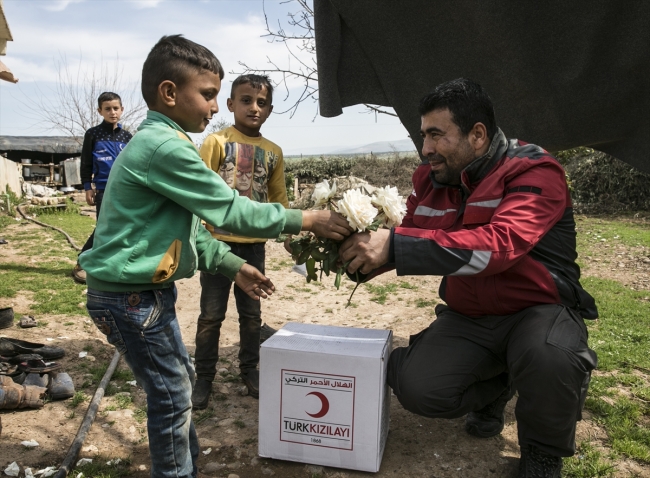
{"x":77,"y":399}
{"x":380,"y":292}
{"x":140,"y":414}
{"x":123,"y":401}
{"x":239,"y":423}
{"x":407,"y":285}
{"x":100,"y":468}
{"x":203,"y":415}
{"x":587,"y":463}
{"x":425,"y":303}
{"x":630,"y":232}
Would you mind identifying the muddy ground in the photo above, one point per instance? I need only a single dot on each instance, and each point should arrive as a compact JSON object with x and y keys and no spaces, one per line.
{"x":416,"y":446}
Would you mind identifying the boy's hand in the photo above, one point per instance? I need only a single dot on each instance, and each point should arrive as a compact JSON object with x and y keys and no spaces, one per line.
{"x":287,"y":244}
{"x":90,"y":197}
{"x":328,"y":224}
{"x":253,"y":282}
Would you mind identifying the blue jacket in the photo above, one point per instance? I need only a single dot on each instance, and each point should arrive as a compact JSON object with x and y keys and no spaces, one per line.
{"x":101,"y":146}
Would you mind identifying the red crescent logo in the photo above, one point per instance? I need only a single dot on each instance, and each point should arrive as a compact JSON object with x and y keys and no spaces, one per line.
{"x":325,"y":405}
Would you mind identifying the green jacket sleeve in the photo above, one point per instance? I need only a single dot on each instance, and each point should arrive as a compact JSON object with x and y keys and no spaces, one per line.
{"x":215,"y":256}
{"x":177,"y":171}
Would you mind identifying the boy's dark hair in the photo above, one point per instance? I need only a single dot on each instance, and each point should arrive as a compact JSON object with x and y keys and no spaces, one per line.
{"x":108,"y":96}
{"x":466,"y":100}
{"x":256,"y":81}
{"x":174,"y":58}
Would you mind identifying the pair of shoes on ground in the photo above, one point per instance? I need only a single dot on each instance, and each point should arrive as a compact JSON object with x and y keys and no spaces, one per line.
{"x":34,"y":389}
{"x":78,"y":274}
{"x":203,"y":388}
{"x":12,"y":347}
{"x":7,"y":319}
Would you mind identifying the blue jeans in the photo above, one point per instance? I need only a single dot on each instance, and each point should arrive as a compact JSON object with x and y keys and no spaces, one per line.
{"x":215,"y":290}
{"x":143,"y":327}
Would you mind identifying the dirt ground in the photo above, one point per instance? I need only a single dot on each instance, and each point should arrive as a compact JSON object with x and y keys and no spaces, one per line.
{"x":416,"y":446}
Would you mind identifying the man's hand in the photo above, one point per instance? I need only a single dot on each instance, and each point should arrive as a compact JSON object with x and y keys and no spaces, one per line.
{"x":90,"y":197}
{"x":366,"y":250}
{"x":327,"y":224}
{"x":253,"y":282}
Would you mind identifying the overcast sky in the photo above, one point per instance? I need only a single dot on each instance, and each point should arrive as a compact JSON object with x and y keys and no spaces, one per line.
{"x":94,"y":33}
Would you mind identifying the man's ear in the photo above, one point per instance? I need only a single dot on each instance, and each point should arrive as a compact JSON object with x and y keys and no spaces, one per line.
{"x":478,"y":136}
{"x":167,"y":93}
{"x":229,"y":105}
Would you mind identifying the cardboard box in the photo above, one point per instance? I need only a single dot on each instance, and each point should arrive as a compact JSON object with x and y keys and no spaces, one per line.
{"x":323,"y":396}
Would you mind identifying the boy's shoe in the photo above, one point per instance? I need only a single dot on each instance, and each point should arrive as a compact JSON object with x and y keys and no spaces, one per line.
{"x":78,"y":274}
{"x":252,"y":381}
{"x":266,"y":331}
{"x":489,"y":420}
{"x":535,"y":463}
{"x":201,"y":394}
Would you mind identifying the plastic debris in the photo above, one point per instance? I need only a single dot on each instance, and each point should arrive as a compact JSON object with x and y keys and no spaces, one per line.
{"x":49,"y":339}
{"x":114,"y":462}
{"x":82,"y":354}
{"x":12,"y":470}
{"x":28,"y":473}
{"x":45,"y":472}
{"x":29,"y":443}
{"x":207,"y":452}
{"x":133,"y":383}
{"x":84,"y":461}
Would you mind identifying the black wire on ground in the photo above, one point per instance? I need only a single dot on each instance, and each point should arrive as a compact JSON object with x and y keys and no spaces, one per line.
{"x":89,"y":418}
{"x":22,"y":213}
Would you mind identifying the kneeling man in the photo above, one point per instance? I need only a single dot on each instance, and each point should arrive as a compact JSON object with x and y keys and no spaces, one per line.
{"x":493,"y":217}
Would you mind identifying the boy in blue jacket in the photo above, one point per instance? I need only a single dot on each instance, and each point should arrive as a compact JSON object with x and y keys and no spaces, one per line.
{"x":102,"y":144}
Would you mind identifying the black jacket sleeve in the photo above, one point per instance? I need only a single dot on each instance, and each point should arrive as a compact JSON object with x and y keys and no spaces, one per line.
{"x":86,"y":169}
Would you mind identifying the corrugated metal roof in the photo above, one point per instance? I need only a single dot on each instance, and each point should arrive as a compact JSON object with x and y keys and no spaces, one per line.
{"x":44,"y":144}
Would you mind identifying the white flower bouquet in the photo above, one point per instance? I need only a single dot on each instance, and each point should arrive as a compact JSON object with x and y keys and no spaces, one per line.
{"x":384,"y":208}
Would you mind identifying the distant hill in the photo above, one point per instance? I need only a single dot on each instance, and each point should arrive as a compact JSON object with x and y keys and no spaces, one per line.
{"x":377,"y":147}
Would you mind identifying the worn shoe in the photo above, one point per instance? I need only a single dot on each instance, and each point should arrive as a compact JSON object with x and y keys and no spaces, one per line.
{"x":535,"y":463}
{"x":266,"y":331}
{"x":60,"y":387}
{"x":78,"y":274}
{"x":252,"y":381}
{"x":201,"y":394}
{"x":490,"y":420}
{"x":12,"y":347}
{"x":6,"y":317}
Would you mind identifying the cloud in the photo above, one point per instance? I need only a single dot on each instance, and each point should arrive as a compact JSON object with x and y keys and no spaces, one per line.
{"x":140,"y":4}
{"x":59,"y":5}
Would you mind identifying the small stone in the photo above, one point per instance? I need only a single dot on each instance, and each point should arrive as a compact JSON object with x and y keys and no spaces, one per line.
{"x":243,"y":391}
{"x":267,"y":471}
{"x":224,"y":390}
{"x":226,"y":422}
{"x":234,"y":466}
{"x":142,"y":467}
{"x":208,"y":443}
{"x":232,"y":475}
{"x":314,"y":469}
{"x":213,"y":466}
{"x":90,"y":449}
{"x":91,"y":358}
{"x":255,"y":461}
{"x":223,"y":370}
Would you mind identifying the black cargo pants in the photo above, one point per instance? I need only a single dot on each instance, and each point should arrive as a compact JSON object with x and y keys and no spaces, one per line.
{"x":460,"y":364}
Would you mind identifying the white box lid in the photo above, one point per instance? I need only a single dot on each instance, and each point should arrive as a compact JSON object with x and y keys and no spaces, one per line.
{"x":329,"y":339}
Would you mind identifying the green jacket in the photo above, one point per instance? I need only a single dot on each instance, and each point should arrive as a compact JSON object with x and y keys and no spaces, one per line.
{"x":148,"y":233}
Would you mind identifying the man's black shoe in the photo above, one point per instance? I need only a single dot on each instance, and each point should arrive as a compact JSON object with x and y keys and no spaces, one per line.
{"x":535,"y":463}
{"x":201,"y":394}
{"x":252,"y":381}
{"x":490,"y":420}
{"x":265,"y":332}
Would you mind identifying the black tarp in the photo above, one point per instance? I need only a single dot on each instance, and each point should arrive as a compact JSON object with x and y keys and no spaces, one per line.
{"x":561,"y":74}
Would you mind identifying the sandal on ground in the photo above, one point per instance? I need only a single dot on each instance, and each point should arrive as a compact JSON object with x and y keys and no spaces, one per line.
{"x":27,"y":321}
{"x":12,"y":347}
{"x":38,"y":366}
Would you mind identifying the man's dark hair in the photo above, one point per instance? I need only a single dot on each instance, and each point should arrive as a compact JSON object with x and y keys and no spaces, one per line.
{"x":108,"y":96}
{"x":256,"y":81}
{"x":466,"y":100}
{"x":174,"y":58}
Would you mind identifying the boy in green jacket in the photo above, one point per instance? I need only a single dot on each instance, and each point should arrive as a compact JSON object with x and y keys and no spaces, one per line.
{"x":150,"y":234}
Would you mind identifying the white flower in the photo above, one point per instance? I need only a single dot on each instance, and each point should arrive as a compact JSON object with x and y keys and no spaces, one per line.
{"x":357,"y":209}
{"x":323,"y":193}
{"x":392,"y":205}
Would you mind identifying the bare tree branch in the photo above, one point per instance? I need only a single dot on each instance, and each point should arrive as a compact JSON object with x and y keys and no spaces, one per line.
{"x":70,"y":107}
{"x":299,"y":40}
